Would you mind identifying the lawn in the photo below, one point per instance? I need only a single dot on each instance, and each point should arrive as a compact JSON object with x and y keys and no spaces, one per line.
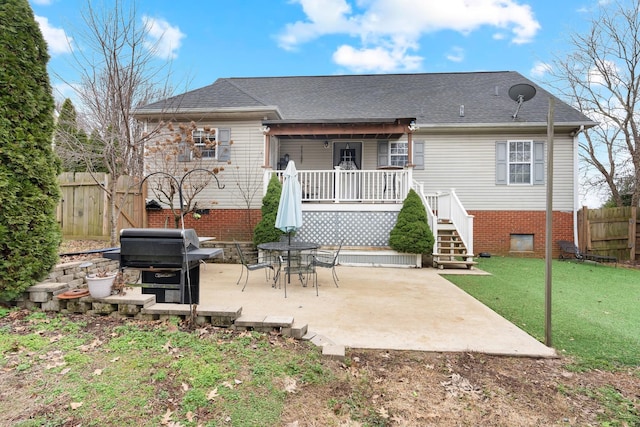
{"x":595,"y":308}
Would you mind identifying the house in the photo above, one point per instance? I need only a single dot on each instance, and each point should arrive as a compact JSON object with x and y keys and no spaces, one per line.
{"x":473,"y":151}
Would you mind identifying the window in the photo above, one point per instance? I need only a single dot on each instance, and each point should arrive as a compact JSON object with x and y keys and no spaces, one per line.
{"x":394,"y":153}
{"x":208,"y":143}
{"x":398,"y":153}
{"x":205,"y":142}
{"x":520,"y":162}
{"x":521,"y":243}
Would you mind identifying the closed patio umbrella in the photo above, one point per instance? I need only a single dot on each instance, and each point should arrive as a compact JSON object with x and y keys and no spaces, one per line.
{"x":289,"y":216}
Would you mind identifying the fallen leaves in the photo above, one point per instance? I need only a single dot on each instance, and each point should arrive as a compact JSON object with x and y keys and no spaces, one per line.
{"x":213,"y":394}
{"x":290,"y":385}
{"x":457,"y":384}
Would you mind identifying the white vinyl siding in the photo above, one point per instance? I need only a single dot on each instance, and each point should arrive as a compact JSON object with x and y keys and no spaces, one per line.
{"x":468,"y":164}
{"x":239,"y":166}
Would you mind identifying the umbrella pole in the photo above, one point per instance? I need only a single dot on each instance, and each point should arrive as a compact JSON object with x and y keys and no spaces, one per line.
{"x":288,"y":263}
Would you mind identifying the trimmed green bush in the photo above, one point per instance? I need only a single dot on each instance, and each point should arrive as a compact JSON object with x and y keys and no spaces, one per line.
{"x":412,"y":233}
{"x":29,"y":192}
{"x":266,"y":230}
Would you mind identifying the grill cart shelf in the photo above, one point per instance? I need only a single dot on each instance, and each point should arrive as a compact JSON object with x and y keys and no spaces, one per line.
{"x":169,"y":260}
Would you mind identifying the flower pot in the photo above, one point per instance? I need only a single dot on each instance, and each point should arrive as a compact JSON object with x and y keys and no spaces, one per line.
{"x":100,"y":287}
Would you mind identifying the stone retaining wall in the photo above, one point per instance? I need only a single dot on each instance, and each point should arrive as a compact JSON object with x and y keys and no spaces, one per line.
{"x":69,"y":276}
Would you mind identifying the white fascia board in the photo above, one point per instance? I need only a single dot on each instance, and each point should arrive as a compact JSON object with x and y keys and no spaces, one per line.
{"x":207,"y":111}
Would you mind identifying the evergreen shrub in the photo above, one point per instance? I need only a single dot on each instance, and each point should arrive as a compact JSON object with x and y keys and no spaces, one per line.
{"x":266,"y":231}
{"x":412,"y":233}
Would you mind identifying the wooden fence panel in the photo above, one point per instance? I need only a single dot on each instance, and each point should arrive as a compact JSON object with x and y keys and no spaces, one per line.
{"x":608,"y":231}
{"x":82,"y":208}
{"x":83,"y":212}
{"x":133,"y":213}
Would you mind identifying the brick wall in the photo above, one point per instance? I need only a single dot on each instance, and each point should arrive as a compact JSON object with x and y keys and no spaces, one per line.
{"x":493,"y":230}
{"x":223,"y":224}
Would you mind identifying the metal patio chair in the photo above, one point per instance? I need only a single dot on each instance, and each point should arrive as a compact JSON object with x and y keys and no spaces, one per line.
{"x":246,"y":265}
{"x":327,"y":259}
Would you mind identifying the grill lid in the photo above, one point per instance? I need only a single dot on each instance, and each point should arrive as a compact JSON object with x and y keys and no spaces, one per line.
{"x":189,"y":235}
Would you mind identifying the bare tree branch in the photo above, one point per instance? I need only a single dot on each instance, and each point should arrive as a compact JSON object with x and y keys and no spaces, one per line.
{"x":601,"y":77}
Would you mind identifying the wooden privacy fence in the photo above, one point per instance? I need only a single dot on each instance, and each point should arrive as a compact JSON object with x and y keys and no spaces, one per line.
{"x":609,"y":232}
{"x":83,"y":211}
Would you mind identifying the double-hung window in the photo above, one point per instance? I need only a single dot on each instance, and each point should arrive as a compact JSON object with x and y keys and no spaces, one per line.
{"x":398,"y":153}
{"x":519,"y":162}
{"x":205,"y":142}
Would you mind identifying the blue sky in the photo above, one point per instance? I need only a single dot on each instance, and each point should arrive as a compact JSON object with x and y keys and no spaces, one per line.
{"x":209,"y":39}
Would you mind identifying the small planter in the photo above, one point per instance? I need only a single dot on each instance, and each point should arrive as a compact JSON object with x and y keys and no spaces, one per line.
{"x":100,"y":286}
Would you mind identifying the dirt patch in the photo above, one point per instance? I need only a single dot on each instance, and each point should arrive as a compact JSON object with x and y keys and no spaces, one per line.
{"x":384,"y":388}
{"x":452,"y":389}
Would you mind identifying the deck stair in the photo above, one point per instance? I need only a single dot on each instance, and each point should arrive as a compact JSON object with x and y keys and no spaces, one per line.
{"x":450,"y":249}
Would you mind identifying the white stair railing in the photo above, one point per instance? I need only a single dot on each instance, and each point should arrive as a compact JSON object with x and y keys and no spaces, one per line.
{"x":428,"y":201}
{"x":450,"y":207}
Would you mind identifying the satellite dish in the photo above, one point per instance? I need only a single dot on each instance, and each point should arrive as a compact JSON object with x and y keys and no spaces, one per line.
{"x":521,"y":93}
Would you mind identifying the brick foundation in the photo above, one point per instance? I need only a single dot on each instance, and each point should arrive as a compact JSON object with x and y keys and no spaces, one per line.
{"x":223,"y":224}
{"x":492,"y":231}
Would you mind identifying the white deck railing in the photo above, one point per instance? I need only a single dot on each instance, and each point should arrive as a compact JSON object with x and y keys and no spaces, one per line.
{"x":449,"y":207}
{"x":350,"y":186}
{"x":378,"y":186}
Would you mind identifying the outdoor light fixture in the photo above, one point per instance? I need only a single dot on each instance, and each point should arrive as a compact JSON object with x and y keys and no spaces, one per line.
{"x":412,"y":126}
{"x":326,"y":144}
{"x":286,"y":158}
{"x":265,"y":129}
{"x":347,"y":147}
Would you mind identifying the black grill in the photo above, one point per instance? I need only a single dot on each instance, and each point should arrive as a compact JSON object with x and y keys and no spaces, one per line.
{"x":169,"y":260}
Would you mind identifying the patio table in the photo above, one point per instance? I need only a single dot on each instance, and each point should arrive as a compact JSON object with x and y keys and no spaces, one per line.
{"x":288,"y":247}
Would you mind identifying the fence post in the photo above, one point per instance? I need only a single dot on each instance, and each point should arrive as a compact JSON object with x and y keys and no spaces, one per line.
{"x":632,"y":234}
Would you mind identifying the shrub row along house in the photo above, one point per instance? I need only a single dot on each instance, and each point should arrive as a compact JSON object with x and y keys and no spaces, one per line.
{"x":475,"y":156}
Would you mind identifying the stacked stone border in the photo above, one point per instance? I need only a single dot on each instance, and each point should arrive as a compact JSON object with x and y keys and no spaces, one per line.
{"x":64,"y":277}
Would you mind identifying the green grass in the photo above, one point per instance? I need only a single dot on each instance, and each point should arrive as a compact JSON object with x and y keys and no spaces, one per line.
{"x":595,"y":315}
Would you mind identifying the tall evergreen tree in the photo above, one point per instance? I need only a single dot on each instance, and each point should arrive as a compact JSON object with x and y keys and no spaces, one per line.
{"x":29,"y":192}
{"x":67,"y":137}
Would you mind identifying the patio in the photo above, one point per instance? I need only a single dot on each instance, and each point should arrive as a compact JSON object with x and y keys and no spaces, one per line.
{"x":377,"y":308}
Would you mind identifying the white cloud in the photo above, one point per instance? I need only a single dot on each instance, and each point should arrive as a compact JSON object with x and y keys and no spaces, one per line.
{"x":56,"y":38}
{"x":539,"y":69}
{"x":609,"y":69}
{"x":378,"y":59}
{"x":398,"y":25}
{"x":456,"y":54}
{"x":41,"y":2}
{"x":164,"y":40}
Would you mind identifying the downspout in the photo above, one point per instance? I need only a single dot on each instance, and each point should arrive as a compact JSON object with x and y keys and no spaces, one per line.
{"x":576,"y":185}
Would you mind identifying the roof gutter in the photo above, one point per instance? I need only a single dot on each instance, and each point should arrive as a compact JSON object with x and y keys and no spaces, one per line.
{"x":520,"y":125}
{"x":576,"y":184}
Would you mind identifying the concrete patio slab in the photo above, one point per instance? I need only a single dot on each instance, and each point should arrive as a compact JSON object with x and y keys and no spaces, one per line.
{"x":377,"y":308}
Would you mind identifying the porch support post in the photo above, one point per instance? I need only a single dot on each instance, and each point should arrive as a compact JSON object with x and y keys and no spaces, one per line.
{"x":410,"y":148}
{"x":267,"y":145}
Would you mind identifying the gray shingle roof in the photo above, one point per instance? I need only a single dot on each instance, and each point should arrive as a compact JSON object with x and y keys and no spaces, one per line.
{"x":430,"y":98}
